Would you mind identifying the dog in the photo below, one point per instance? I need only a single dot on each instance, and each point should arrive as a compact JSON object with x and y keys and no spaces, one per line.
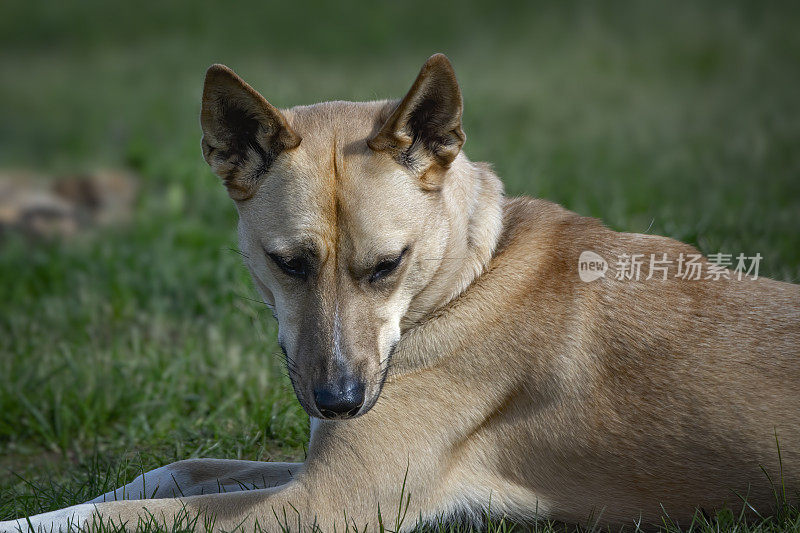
{"x":461,"y":353}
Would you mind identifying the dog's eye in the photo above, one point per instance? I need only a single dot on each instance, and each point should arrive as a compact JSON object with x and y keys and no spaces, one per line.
{"x":291,"y":266}
{"x":387,"y":266}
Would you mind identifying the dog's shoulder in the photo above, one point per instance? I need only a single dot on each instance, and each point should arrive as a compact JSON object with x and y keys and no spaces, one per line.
{"x":536,"y":227}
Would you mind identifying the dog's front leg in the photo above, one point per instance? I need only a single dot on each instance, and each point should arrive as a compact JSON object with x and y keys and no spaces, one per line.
{"x":193,"y":477}
{"x":210,"y":477}
{"x":291,"y":507}
{"x":217,"y":512}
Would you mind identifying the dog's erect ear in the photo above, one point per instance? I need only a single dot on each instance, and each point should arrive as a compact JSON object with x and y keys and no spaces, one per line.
{"x":425,"y":128}
{"x":242,"y":132}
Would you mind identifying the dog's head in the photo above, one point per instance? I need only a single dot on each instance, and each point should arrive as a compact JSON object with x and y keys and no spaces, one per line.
{"x":343,"y":221}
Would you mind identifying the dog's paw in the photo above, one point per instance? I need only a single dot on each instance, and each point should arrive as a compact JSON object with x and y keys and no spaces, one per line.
{"x":64,"y":521}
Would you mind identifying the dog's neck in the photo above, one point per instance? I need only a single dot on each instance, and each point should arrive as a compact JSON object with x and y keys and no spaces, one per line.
{"x":472,"y":196}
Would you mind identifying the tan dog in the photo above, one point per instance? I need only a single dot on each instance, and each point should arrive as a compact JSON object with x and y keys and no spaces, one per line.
{"x":449,"y":351}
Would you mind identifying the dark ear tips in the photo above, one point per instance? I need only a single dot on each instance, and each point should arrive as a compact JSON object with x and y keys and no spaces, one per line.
{"x":440,"y":62}
{"x":217,"y":69}
{"x":219,"y":77}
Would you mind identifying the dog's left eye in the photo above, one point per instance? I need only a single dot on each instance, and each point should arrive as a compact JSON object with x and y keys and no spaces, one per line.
{"x":292,"y":266}
{"x":387,"y":266}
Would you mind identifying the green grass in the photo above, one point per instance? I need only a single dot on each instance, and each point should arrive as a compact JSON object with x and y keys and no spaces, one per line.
{"x":132,"y":347}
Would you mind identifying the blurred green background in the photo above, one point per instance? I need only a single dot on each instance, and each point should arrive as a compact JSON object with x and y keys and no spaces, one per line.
{"x":137,"y":344}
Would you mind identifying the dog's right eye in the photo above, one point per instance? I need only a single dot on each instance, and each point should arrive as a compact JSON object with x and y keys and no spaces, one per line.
{"x":387,"y":266}
{"x":296,"y":267}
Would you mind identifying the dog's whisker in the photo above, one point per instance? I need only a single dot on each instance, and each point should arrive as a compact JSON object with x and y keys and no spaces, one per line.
{"x":237,"y":251}
{"x":243,"y":297}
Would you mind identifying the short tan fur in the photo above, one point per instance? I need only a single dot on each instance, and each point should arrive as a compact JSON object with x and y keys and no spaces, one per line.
{"x":488,"y":370}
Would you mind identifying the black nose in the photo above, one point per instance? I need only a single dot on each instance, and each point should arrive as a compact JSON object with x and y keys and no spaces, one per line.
{"x":341,"y":398}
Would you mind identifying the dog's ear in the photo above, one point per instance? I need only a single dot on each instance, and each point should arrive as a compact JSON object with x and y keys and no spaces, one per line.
{"x":425,"y":128}
{"x":242,"y":132}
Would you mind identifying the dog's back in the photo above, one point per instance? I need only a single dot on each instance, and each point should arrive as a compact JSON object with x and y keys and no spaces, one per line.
{"x":639,"y":393}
